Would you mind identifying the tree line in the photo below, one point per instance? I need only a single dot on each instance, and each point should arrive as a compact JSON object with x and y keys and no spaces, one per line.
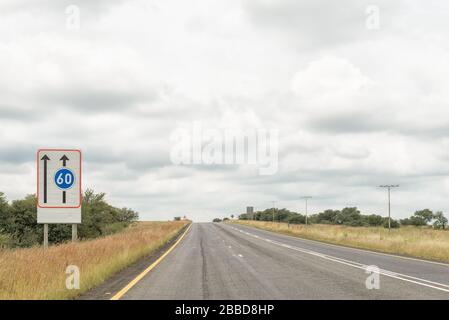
{"x":19,"y":227}
{"x":349,"y":216}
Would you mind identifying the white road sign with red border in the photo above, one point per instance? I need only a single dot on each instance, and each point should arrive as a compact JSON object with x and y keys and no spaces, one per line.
{"x":59,"y":180}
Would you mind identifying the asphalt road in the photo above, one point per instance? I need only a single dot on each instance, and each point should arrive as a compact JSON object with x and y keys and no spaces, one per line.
{"x":219,"y":261}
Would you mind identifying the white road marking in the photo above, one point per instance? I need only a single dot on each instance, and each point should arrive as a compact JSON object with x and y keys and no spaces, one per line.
{"x":391,"y":274}
{"x":351,"y":248}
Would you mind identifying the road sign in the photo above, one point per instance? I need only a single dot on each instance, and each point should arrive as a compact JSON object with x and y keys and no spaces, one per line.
{"x":59,"y":180}
{"x":250,"y":212}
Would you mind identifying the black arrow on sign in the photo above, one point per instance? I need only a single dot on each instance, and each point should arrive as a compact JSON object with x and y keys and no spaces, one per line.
{"x":64,"y":160}
{"x":45,"y":158}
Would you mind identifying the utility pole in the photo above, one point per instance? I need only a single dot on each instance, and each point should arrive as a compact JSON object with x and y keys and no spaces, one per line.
{"x":306,"y":198}
{"x":389,"y":186}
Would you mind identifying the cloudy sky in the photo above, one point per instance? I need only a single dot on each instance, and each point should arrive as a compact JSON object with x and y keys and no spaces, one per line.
{"x":356,"y":104}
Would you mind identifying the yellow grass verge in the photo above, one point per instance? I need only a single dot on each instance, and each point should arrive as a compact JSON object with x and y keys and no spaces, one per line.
{"x":36,"y":273}
{"x":415,"y":242}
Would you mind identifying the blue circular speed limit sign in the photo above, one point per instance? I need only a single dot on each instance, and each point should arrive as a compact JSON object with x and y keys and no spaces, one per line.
{"x":64,"y":178}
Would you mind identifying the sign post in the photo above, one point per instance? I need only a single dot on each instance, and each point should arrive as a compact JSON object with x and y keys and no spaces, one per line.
{"x":45,"y":236}
{"x":74,"y":232}
{"x":59,"y":178}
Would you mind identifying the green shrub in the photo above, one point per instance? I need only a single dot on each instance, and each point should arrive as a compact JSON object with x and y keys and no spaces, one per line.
{"x":393,"y":223}
{"x":5,"y":241}
{"x":18,"y":221}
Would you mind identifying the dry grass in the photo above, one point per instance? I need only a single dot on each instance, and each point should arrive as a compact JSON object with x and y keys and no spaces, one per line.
{"x":408,"y":241}
{"x":40,"y":274}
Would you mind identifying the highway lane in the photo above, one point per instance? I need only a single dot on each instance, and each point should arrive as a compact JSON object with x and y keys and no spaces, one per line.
{"x":220,"y":261}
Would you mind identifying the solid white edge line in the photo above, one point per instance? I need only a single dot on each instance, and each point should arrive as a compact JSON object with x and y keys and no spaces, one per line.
{"x":347,"y":247}
{"x":387,"y":273}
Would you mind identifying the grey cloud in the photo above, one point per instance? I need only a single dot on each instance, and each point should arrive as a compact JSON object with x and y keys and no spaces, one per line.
{"x":17,"y":114}
{"x":96,"y":100}
{"x":18,"y":154}
{"x":353,"y":122}
{"x":294,"y":148}
{"x":429,"y":132}
{"x":318,"y":23}
{"x":101,"y":155}
{"x":354,"y":153}
{"x":144,"y":162}
{"x":372,"y":122}
{"x":97,"y":6}
{"x":355,"y":176}
{"x":141,"y":160}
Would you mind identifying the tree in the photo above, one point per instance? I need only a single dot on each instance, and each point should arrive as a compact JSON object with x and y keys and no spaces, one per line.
{"x":373,"y":220}
{"x":349,"y":216}
{"x":126,"y":215}
{"x":440,"y":220}
{"x":419,"y":218}
{"x":4,"y":210}
{"x":393,"y":223}
{"x":297,"y":219}
{"x":19,"y":227}
{"x":327,"y":217}
{"x":283,"y":215}
{"x":22,"y":223}
{"x":232,"y":216}
{"x":426,"y":215}
{"x":100,"y":218}
{"x":413,"y":221}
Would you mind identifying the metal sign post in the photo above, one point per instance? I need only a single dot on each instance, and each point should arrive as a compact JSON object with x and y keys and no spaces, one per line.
{"x":45,"y":236}
{"x":74,"y":232}
{"x":59,"y":179}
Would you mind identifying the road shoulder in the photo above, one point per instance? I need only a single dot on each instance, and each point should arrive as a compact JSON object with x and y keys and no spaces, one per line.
{"x":118,"y":281}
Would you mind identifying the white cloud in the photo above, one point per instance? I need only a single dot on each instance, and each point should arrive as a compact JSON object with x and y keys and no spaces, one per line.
{"x":355,"y":108}
{"x":329,"y":78}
